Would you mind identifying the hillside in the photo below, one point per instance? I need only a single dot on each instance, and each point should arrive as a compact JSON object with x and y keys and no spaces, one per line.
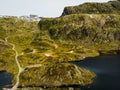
{"x":95,"y":31}
{"x":41,"y":56}
{"x":24,"y":47}
{"x":111,"y":7}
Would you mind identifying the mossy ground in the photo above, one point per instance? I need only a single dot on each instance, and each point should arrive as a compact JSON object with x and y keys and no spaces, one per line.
{"x":55,"y":52}
{"x":59,"y":74}
{"x":18,"y":32}
{"x":46,"y":53}
{"x":53,"y":88}
{"x":99,"y":31}
{"x":36,"y":47}
{"x":111,"y":7}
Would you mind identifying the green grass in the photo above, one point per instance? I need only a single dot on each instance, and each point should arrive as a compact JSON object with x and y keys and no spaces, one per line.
{"x":85,"y":30}
{"x":56,"y":75}
{"x":79,"y":33}
{"x":36,"y":47}
{"x":112,"y":7}
{"x":54,"y":88}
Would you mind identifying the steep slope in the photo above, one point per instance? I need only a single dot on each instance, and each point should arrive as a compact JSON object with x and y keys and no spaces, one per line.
{"x":111,"y":7}
{"x":99,"y":31}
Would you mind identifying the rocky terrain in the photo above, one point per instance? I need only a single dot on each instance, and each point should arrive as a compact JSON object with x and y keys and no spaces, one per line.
{"x":111,"y":7}
{"x":59,"y":74}
{"x":41,"y":52}
{"x":22,"y":52}
{"x":100,"y":31}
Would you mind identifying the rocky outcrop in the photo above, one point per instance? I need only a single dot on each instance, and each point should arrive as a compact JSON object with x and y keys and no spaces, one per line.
{"x":86,"y":26}
{"x":94,"y":25}
{"x":59,"y":74}
{"x":96,"y":8}
{"x":99,"y":31}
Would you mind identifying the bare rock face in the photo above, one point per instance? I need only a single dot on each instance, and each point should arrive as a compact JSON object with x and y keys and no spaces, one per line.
{"x":59,"y":74}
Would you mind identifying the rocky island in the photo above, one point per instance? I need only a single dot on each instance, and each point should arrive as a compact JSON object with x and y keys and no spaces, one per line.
{"x":42,"y":57}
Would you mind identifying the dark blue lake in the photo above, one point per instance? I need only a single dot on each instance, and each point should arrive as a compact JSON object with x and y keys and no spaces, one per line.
{"x":5,"y":79}
{"x":107,"y":69}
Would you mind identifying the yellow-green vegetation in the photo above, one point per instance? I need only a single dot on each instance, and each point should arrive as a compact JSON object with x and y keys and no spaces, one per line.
{"x":100,"y":31}
{"x":7,"y":60}
{"x":59,"y":74}
{"x":99,"y":28}
{"x":52,"y":88}
{"x":96,"y":8}
{"x":17,"y":32}
{"x":48,"y":51}
{"x":45,"y":53}
{"x":37,"y":50}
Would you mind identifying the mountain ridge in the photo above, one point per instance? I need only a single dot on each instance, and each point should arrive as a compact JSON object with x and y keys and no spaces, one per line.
{"x":94,"y":8}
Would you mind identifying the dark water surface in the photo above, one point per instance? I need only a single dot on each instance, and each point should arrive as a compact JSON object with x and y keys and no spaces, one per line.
{"x":107,"y":69}
{"x":5,"y":79}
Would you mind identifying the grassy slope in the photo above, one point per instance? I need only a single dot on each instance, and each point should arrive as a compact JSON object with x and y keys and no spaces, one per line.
{"x":54,"y":88}
{"x":111,"y":7}
{"x":33,"y":47}
{"x":20,"y":33}
{"x":58,"y":74}
{"x":66,"y":38}
{"x":95,"y":31}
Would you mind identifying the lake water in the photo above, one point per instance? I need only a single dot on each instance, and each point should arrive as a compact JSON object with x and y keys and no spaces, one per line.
{"x":107,"y":69}
{"x":5,"y":79}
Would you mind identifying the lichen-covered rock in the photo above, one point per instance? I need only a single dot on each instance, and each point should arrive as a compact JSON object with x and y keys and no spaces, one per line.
{"x":58,"y":74}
